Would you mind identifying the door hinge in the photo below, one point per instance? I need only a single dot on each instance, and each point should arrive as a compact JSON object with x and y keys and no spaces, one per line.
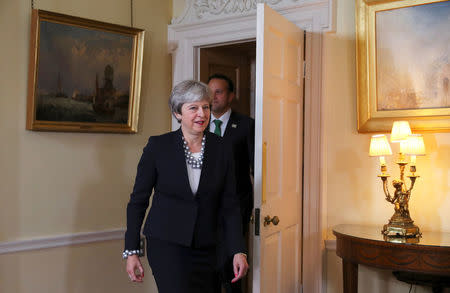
{"x":257,"y":216}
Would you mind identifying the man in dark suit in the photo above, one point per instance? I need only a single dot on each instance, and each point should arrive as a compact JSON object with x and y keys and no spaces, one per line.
{"x":239,"y":131}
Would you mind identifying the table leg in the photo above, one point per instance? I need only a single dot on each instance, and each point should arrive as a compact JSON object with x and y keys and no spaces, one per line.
{"x":350,"y":276}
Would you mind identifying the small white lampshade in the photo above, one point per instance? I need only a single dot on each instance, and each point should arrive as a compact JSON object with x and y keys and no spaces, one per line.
{"x":379,"y":146}
{"x":413,"y":146}
{"x":400,"y":131}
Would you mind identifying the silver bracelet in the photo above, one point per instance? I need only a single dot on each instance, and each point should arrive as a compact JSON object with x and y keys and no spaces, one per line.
{"x":126,"y":253}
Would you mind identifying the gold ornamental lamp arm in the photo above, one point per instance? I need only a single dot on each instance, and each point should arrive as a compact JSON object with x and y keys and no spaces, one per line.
{"x":402,"y":164}
{"x":413,"y":181}
{"x":385,"y":188}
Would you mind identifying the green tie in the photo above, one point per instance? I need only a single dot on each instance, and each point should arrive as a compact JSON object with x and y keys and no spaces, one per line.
{"x":217,"y":130}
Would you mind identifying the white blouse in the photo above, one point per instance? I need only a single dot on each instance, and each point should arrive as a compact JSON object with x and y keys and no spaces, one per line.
{"x":194,"y":174}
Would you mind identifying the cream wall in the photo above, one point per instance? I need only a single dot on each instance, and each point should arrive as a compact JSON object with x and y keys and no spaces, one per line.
{"x":352,"y":191}
{"x":62,"y":183}
{"x":178,"y":7}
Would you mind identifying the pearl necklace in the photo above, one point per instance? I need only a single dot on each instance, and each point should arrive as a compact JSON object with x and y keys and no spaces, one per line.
{"x":190,"y":159}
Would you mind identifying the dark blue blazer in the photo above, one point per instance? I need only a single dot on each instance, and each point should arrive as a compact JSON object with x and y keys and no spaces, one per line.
{"x":177,"y":215}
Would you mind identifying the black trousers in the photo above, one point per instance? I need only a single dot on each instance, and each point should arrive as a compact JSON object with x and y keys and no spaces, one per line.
{"x":226,"y":275}
{"x":226,"y":272}
{"x":180,"y":269}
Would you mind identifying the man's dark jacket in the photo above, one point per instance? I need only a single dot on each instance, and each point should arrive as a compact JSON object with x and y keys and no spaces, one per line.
{"x":240,"y":133}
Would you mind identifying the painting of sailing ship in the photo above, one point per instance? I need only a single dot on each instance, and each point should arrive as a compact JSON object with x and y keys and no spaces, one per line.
{"x":413,"y":57}
{"x":84,"y":75}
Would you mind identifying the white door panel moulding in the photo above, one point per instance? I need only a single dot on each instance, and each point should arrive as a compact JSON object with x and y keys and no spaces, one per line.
{"x":61,"y":240}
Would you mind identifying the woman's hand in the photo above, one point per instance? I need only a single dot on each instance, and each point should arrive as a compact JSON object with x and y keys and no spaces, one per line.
{"x":133,"y":265}
{"x":240,"y":266}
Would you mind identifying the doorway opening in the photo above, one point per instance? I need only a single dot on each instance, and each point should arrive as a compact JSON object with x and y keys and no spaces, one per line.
{"x":193,"y":31}
{"x":238,"y":62}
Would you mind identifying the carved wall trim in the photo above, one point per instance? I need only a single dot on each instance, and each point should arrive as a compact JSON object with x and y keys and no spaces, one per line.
{"x":203,"y":10}
{"x":217,"y":7}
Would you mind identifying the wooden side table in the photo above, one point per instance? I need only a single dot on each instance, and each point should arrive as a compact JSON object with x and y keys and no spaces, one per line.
{"x":357,"y":244}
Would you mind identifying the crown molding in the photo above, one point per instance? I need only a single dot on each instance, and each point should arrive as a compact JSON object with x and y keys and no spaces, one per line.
{"x":203,"y":11}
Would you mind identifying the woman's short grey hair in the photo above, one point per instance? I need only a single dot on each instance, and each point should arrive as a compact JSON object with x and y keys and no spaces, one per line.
{"x":188,"y":91}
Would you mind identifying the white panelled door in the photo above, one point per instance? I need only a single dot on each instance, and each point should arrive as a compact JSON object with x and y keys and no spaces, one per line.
{"x":278,"y":153}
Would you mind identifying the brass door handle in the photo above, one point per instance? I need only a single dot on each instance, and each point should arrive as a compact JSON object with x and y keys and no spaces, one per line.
{"x":267,"y":220}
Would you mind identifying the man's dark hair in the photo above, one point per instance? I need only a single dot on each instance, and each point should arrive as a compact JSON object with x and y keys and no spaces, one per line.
{"x":223,"y":77}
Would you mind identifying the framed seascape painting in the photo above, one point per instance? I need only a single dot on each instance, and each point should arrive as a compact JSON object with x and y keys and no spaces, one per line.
{"x":84,"y":75}
{"x":403,"y":64}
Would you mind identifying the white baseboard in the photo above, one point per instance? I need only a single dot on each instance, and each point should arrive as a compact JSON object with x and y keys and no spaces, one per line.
{"x":61,"y":240}
{"x":330,"y":244}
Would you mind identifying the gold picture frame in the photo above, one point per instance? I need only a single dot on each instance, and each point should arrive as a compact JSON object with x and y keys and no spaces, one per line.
{"x":401,"y":76}
{"x":84,"y":75}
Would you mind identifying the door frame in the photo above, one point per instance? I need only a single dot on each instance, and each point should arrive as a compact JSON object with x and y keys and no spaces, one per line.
{"x":315,"y":17}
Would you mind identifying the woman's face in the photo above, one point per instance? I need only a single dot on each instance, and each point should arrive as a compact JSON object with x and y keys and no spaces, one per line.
{"x":194,"y":116}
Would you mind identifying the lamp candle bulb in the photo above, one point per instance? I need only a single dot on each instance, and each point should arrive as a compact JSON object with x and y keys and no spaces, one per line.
{"x":413,"y":160}
{"x":412,"y":166}
{"x":383,"y":166}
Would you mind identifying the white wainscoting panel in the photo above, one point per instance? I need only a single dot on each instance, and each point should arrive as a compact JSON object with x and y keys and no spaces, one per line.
{"x":61,"y":240}
{"x":330,"y":244}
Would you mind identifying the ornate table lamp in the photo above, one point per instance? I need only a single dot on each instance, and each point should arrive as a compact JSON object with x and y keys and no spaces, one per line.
{"x":400,"y":224}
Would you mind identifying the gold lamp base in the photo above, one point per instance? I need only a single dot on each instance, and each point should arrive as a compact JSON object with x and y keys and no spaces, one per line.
{"x":396,"y":239}
{"x":401,"y":227}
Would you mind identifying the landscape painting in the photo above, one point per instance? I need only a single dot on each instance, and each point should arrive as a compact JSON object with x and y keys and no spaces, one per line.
{"x":86,"y":75}
{"x":412,"y":57}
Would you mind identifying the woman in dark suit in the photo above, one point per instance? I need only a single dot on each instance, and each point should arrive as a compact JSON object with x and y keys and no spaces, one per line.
{"x":190,"y":172}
